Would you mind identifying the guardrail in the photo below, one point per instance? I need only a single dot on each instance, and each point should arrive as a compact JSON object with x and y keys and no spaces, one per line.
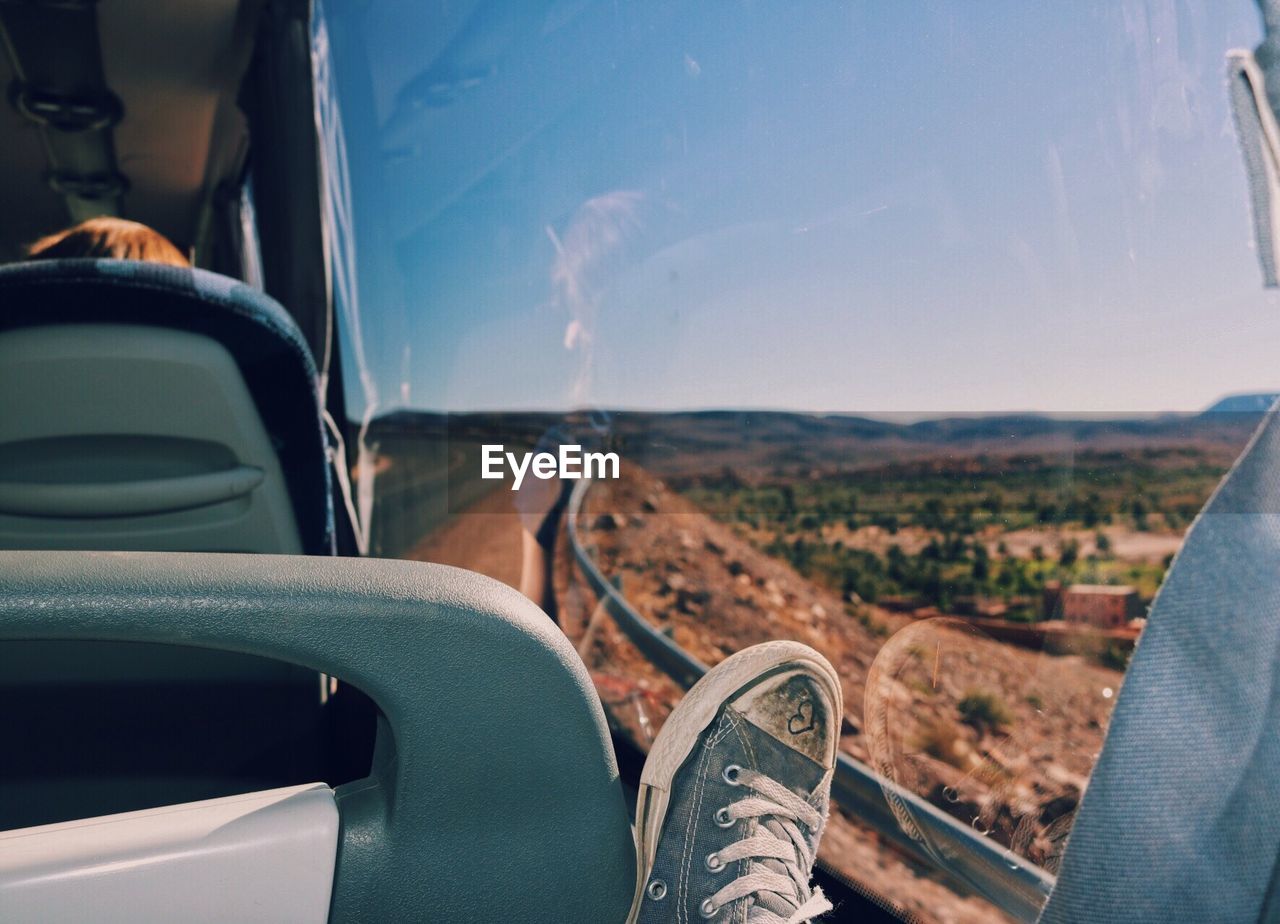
{"x":969,"y":860}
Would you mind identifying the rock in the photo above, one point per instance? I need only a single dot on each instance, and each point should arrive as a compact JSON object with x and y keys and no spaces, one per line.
{"x":712,"y":547}
{"x":690,"y":602}
{"x":608,"y":522}
{"x":773,"y":593}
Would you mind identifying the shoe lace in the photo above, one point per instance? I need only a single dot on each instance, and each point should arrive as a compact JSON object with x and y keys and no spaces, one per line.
{"x":779,"y":885}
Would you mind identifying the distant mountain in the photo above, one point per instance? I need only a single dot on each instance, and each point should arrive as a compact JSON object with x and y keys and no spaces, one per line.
{"x":1244,"y":404}
{"x":690,"y":442}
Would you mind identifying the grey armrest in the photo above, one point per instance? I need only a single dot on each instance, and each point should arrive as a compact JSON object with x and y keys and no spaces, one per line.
{"x":494,"y":794}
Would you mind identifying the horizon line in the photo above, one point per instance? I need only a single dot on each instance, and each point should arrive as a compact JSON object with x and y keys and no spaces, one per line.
{"x":898,"y":417}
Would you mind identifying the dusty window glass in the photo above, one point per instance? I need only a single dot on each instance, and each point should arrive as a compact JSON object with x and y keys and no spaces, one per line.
{"x":908,"y":322}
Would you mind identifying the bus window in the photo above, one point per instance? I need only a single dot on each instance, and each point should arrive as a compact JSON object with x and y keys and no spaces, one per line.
{"x":907,"y":324}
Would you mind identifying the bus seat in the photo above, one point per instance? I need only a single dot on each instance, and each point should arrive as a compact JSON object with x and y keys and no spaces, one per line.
{"x":153,"y":408}
{"x":492,"y":793}
{"x":156,"y":408}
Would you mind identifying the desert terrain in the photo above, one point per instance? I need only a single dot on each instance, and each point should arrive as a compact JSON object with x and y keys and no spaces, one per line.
{"x":730,"y":531}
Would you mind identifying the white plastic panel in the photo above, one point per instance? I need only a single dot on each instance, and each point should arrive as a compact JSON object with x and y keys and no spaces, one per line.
{"x":261,"y":857}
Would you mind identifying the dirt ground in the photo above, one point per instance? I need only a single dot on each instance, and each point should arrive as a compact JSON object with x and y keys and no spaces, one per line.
{"x":484,"y":538}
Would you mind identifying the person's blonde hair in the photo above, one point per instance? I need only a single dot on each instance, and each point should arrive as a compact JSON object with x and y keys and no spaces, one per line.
{"x":109,"y":238}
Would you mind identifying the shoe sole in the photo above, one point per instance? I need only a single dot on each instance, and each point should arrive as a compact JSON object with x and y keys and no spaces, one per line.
{"x":694,"y":714}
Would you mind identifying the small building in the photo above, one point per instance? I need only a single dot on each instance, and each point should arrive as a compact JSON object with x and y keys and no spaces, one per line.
{"x":1101,"y":606}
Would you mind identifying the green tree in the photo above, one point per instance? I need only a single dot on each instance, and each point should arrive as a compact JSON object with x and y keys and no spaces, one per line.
{"x":981,"y":564}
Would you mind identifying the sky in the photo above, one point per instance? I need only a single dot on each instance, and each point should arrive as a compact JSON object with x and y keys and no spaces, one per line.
{"x":837,"y":205}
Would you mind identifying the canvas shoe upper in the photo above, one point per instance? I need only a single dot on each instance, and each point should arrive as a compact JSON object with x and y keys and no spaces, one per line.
{"x":734,"y":794}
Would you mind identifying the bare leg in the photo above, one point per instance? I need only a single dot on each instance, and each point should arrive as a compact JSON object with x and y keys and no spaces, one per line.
{"x":541,"y":506}
{"x":536,"y":574}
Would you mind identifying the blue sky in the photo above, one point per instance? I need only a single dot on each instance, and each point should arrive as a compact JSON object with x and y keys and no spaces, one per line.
{"x":852,"y":206}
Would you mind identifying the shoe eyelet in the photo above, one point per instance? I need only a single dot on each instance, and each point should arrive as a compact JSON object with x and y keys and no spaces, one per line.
{"x":714,"y":863}
{"x":722,"y":818}
{"x":656,"y":889}
{"x":708,"y":909}
{"x":731,"y":774}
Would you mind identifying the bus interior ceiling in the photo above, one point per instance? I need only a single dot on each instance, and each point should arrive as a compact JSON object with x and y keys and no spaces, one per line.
{"x":170,"y":72}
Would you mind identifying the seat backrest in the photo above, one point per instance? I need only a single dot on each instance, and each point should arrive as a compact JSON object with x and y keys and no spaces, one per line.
{"x":156,"y":408}
{"x":151,"y":407}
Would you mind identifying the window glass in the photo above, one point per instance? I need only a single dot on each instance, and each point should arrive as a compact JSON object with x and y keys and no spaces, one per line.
{"x":907,"y":322}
